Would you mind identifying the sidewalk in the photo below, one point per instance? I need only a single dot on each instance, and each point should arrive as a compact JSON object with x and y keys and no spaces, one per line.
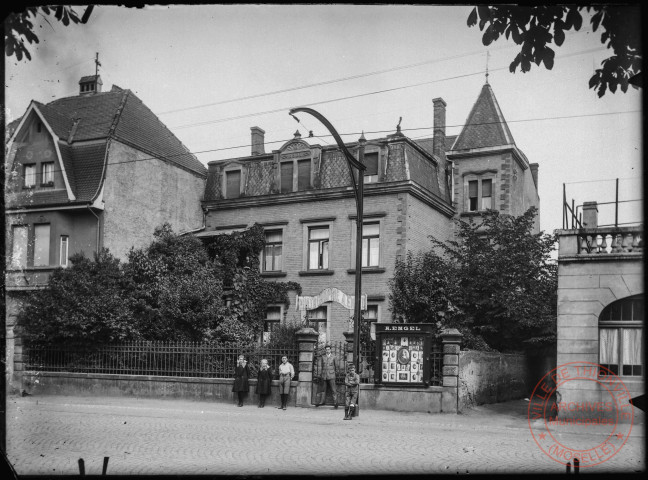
{"x":47,"y":436}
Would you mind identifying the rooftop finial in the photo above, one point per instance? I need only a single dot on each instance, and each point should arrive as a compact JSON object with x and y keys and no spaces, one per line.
{"x":398,"y":130}
{"x":97,"y":64}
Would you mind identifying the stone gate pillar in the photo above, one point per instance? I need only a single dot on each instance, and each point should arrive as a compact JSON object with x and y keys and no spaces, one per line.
{"x":306,"y":341}
{"x":349,"y":350}
{"x":451,"y":339}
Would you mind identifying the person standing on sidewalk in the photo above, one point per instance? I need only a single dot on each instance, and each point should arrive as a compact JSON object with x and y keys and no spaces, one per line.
{"x":352,"y":383}
{"x":241,"y":376}
{"x":286,"y":373}
{"x":264,"y":382}
{"x":328,"y":369}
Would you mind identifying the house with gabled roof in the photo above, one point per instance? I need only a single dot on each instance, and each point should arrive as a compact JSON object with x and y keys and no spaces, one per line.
{"x":98,"y":169}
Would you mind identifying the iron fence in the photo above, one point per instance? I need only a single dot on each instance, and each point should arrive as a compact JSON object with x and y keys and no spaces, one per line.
{"x":183,"y":359}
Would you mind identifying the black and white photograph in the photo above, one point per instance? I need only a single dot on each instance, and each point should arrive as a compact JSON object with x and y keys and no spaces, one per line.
{"x":247,"y":239}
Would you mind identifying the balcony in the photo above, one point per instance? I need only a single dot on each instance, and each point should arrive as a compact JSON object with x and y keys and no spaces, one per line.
{"x":601,"y":243}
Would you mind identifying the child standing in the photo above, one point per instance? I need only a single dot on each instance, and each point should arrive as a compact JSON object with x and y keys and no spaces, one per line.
{"x":286,"y":373}
{"x":352,"y":383}
{"x":242,"y":374}
{"x":264,"y":382}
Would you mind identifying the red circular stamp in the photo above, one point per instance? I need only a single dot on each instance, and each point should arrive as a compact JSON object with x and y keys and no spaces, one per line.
{"x":586,"y":424}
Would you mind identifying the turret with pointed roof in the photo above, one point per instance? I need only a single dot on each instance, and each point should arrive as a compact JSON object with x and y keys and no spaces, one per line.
{"x":490,"y":171}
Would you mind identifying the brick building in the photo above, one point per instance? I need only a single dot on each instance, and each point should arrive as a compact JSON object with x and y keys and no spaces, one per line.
{"x":302,"y":195}
{"x":90,"y":171}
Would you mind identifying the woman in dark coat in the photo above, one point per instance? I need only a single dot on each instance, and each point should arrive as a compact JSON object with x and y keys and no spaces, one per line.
{"x":241,"y":385}
{"x":264,"y":382}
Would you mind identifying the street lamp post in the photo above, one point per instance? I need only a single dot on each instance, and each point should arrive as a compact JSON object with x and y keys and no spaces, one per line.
{"x":358,"y":187}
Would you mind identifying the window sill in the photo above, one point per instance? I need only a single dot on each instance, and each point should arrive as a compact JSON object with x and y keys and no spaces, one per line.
{"x":273,"y":274}
{"x":28,"y":187}
{"x":308,"y":273}
{"x":48,"y":184}
{"x":368,"y":270}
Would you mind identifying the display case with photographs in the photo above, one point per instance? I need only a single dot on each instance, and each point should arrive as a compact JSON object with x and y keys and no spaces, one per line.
{"x":405,"y":353}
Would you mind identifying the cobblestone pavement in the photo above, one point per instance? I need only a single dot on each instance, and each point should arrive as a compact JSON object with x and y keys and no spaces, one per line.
{"x":47,"y":435}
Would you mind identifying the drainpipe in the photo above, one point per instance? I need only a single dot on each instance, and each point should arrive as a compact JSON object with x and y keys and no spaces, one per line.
{"x":98,"y":225}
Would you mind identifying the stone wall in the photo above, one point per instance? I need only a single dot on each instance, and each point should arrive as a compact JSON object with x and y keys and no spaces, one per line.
{"x":486,"y":377}
{"x":145,"y":386}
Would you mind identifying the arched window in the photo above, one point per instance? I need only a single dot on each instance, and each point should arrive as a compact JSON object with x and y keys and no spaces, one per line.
{"x":620,"y":336}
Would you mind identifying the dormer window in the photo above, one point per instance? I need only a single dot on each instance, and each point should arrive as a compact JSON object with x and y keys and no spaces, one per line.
{"x":233,"y":184}
{"x":295,"y":175}
{"x":371,"y":162}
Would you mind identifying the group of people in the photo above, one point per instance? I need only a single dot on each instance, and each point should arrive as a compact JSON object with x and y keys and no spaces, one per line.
{"x":264,"y":381}
{"x":328,"y":367}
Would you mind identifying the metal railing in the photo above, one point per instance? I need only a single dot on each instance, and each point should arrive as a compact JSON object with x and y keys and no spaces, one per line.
{"x":180,"y":359}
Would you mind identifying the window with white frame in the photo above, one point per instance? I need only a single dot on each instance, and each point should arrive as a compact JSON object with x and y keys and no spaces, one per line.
{"x":232,"y":184}
{"x":621,"y":337}
{"x":318,"y":248}
{"x":47,"y":172}
{"x":273,"y":251}
{"x":29,"y":175}
{"x":370,"y":244}
{"x":371,"y":314}
{"x":63,"y":256}
{"x":480,"y":194}
{"x":41,"y":245}
{"x":272,"y":321}
{"x":371,"y":162}
{"x":19,"y":235}
{"x":318,"y":318}
{"x":295,"y":175}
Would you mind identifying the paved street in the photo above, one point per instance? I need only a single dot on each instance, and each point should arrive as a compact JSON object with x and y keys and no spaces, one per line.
{"x":47,"y":436}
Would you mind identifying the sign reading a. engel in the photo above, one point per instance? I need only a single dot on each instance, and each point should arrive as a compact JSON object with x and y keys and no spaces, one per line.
{"x":403,"y":327}
{"x":404,"y":351}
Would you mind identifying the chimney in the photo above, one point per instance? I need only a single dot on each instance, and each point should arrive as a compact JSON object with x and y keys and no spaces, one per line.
{"x":438,"y":147}
{"x":90,"y":84}
{"x":258,"y":138}
{"x":534,"y":173}
{"x":590,"y":215}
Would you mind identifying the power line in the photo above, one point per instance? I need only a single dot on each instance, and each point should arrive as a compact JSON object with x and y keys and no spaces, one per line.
{"x":328,"y":82}
{"x":360,"y":95}
{"x":412,"y":129}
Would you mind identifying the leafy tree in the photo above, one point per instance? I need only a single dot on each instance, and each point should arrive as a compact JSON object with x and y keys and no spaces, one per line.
{"x":422,"y":289}
{"x":536,"y":27}
{"x":176,"y":289}
{"x":19,"y":27}
{"x":496,"y":283}
{"x":83,"y":303}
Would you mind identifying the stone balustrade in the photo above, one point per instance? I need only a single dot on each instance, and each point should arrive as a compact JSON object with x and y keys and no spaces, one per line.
{"x":610,"y":241}
{"x":601,"y":241}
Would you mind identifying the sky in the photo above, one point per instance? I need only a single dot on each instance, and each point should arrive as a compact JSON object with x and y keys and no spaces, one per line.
{"x":210,"y":72}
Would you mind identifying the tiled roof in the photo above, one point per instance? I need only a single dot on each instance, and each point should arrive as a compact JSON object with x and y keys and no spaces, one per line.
{"x":449,"y":141}
{"x":485,"y":126}
{"x":97,"y":118}
{"x":133,"y":123}
{"x":139,"y":126}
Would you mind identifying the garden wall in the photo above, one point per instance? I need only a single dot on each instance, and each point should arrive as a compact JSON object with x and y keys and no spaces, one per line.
{"x":145,"y":386}
{"x":486,"y":377}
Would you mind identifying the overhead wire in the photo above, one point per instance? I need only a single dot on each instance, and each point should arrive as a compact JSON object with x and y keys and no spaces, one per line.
{"x":371,"y":132}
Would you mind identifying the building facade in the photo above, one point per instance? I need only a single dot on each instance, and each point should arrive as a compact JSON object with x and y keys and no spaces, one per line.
{"x":302,"y":195}
{"x":600,"y":309}
{"x":86,"y":172}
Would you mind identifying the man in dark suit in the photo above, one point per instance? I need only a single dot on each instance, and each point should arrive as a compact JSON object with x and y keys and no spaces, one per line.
{"x":328,"y":368}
